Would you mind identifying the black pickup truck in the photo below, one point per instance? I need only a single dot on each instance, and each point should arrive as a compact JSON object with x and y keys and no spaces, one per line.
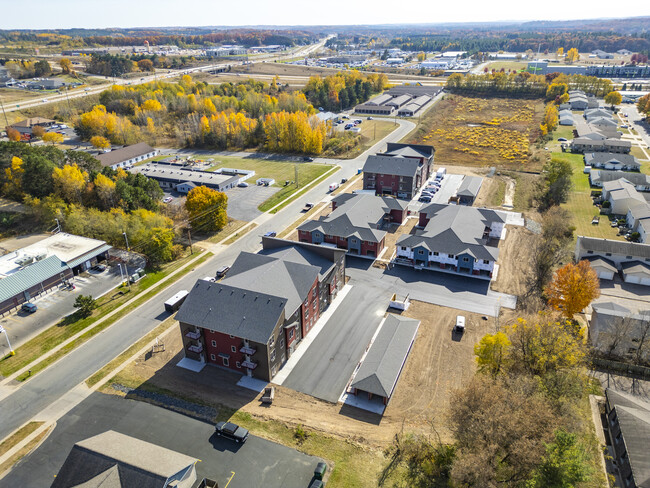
{"x":231,"y":431}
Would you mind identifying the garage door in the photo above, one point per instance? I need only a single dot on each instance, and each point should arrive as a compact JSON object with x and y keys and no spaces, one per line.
{"x":606,"y":275}
{"x":645,"y":281}
{"x":632,"y":279}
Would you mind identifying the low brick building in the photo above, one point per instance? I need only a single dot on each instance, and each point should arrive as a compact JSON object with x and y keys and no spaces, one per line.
{"x":355,"y":224}
{"x":252,"y":321}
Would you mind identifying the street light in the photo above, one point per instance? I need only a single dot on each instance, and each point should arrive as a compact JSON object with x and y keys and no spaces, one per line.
{"x":11,"y":351}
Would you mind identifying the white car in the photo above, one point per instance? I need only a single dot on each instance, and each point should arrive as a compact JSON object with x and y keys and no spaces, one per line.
{"x":167,"y":199}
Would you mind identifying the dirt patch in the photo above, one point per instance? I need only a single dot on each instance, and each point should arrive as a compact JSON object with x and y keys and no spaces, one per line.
{"x":514,"y":261}
{"x":439,"y":362}
{"x":14,"y":243}
{"x":395,"y":232}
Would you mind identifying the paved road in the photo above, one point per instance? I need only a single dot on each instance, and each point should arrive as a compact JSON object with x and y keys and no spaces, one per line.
{"x":19,"y":405}
{"x":257,"y":462}
{"x":327,"y":366}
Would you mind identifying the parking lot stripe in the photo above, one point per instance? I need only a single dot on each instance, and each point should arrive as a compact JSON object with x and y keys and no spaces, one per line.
{"x":232,"y":475}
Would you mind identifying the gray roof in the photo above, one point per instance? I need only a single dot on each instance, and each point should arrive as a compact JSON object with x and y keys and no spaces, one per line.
{"x":601,"y":176}
{"x":470,"y":186}
{"x":382,"y":365}
{"x":622,"y":189}
{"x":600,"y":262}
{"x":124,"y":154}
{"x":301,"y":255}
{"x":410,"y":150}
{"x":391,"y":165}
{"x":635,"y":267}
{"x":639,"y":212}
{"x":633,"y":415}
{"x":31,"y":276}
{"x":611,"y":308}
{"x":602,"y":121}
{"x":286,"y":278}
{"x":114,"y":460}
{"x":619,"y":248}
{"x":356,"y":215}
{"x":192,"y":178}
{"x":592,"y":159}
{"x":232,"y":310}
{"x":455,"y":229}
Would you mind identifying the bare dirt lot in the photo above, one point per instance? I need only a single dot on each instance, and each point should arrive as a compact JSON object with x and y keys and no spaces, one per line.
{"x":514,"y":261}
{"x":437,"y":363}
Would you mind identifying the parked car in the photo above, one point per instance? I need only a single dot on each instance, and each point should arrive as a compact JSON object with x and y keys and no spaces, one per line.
{"x":308,"y":158}
{"x":370,"y":118}
{"x":231,"y":431}
{"x":242,"y":184}
{"x":29,"y":307}
{"x":221,"y":272}
{"x":319,"y":472}
{"x":99,"y":267}
{"x":425,"y":199}
{"x":271,"y":233}
{"x":343,"y":180}
{"x":333,"y":186}
{"x":307,"y":207}
{"x":167,"y":199}
{"x":562,"y":139}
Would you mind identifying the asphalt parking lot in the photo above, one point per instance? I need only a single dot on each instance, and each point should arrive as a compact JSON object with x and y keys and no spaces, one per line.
{"x":327,"y":366}
{"x":257,"y":463}
{"x":243,"y":202}
{"x":54,"y":305}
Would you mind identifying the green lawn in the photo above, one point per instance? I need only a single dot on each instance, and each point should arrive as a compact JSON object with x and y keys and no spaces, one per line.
{"x":581,"y":205}
{"x":513,"y":65}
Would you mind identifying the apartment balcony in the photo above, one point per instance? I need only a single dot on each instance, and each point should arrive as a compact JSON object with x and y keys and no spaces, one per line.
{"x":194,"y":335}
{"x":197,"y":348}
{"x":249,"y":364}
{"x":248,"y":350}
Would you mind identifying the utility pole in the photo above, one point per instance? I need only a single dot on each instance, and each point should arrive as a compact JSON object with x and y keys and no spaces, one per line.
{"x":127,"y":241}
{"x":3,"y":112}
{"x":11,"y":351}
{"x":189,"y":236}
{"x":295,"y":171}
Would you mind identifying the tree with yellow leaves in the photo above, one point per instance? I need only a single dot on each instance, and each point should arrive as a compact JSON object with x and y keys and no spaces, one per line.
{"x":100,"y":142}
{"x":53,"y":138}
{"x":105,"y":189}
{"x":13,"y":134}
{"x":13,"y":187}
{"x":66,"y":66}
{"x":560,"y":51}
{"x":69,"y":182}
{"x":151,"y":105}
{"x":572,"y":55}
{"x":613,"y":98}
{"x":574,"y":286}
{"x":492,"y":353}
{"x":551,"y":116}
{"x":207,"y":208}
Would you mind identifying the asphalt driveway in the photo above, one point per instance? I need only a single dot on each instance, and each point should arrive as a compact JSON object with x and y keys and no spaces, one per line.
{"x":258,"y":462}
{"x":243,"y":202}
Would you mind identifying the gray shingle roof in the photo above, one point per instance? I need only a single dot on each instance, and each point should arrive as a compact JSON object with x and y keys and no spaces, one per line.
{"x":620,"y":248}
{"x":470,"y":186}
{"x":124,"y":154}
{"x":455,"y":229}
{"x":601,"y":176}
{"x":231,"y":310}
{"x":298,"y":254}
{"x":635,"y":267}
{"x":382,"y":365}
{"x":412,"y":150}
{"x":600,"y":262}
{"x":592,"y":159}
{"x":391,"y":165}
{"x":633,"y":415}
{"x":112,"y":459}
{"x":30,"y":276}
{"x":356,"y":215}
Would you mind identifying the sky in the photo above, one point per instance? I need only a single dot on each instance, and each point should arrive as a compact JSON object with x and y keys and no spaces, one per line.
{"x":53,"y":14}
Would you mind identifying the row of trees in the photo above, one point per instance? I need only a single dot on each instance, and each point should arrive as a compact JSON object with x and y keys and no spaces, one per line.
{"x":26,"y":68}
{"x":343,"y":90}
{"x":643,"y":105}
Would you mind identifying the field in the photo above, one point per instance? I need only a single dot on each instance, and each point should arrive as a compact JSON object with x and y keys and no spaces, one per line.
{"x":468,"y":131}
{"x":581,"y":205}
{"x":507,"y":65}
{"x":371,"y":132}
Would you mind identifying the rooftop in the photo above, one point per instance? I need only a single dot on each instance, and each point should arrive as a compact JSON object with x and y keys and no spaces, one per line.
{"x":180,"y":175}
{"x":125,"y":153}
{"x":621,"y":248}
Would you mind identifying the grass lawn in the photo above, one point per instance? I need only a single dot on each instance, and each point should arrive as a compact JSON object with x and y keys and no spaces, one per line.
{"x":371,"y":132}
{"x":507,"y":65}
{"x":71,"y":325}
{"x":638,"y":152}
{"x":18,"y":436}
{"x":581,"y":205}
{"x":231,"y":227}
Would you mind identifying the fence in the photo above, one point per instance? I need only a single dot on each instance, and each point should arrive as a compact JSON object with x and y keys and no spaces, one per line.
{"x":626,"y":369}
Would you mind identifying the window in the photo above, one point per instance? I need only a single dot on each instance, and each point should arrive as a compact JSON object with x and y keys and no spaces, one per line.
{"x":590,"y":252}
{"x":436,"y":253}
{"x":233,"y":349}
{"x":451,"y":256}
{"x":238,"y":364}
{"x":226,"y":362}
{"x":214,"y":343}
{"x":291,"y":331}
{"x":403,"y":248}
{"x":628,"y":257}
{"x":272,"y":342}
{"x":485,"y":261}
{"x":282,"y":342}
{"x":213,"y":357}
{"x":466,"y":260}
{"x":608,"y":254}
{"x":273,"y":355}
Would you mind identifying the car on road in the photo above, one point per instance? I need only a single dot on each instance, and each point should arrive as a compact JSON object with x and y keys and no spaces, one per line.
{"x":29,"y":307}
{"x":221,"y":272}
{"x":307,"y":207}
{"x":424,"y":199}
{"x":167,"y":199}
{"x":231,"y":431}
{"x":624,"y":126}
{"x":242,"y":184}
{"x":44,"y":100}
{"x":271,"y":233}
{"x":370,"y":118}
{"x":308,"y":159}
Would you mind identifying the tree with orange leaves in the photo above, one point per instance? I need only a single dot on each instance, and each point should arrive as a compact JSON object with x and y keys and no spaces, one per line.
{"x":574,"y":286}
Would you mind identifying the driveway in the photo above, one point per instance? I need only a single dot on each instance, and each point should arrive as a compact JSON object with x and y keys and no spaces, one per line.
{"x":53,"y":306}
{"x":258,"y":462}
{"x":328,"y":364}
{"x":243,"y":202}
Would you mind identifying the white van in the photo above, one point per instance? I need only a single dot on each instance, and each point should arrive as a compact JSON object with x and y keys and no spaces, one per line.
{"x":333,"y":186}
{"x":460,"y":324}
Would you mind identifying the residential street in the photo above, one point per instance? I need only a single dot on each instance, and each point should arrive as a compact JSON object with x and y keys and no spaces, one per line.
{"x":20,"y":404}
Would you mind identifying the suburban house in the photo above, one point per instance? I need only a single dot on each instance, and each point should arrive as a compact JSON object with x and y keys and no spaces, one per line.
{"x":26,"y":127}
{"x":617,"y":330}
{"x":641,"y":181}
{"x":114,"y":460}
{"x":355,"y":223}
{"x":628,"y":426}
{"x":614,"y":162}
{"x":127,"y":156}
{"x":456,"y":238}
{"x":36,"y":268}
{"x":380,"y":369}
{"x":400,"y":171}
{"x":585,"y":144}
{"x":252,"y":321}
{"x":631,"y":259}
{"x":580,"y":101}
{"x":622,"y":196}
{"x":468,"y":189}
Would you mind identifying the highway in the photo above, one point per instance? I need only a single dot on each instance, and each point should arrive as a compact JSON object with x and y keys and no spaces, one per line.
{"x":84,"y":92}
{"x":21,"y":403}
